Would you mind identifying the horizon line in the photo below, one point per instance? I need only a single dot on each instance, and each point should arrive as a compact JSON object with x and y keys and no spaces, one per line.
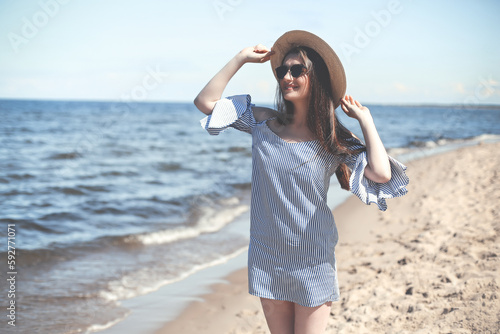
{"x":400,"y":104}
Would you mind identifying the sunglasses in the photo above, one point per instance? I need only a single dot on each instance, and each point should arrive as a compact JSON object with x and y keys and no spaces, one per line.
{"x":296,"y":70}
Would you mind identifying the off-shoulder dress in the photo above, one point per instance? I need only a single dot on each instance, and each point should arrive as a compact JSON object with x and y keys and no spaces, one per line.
{"x":292,"y":230}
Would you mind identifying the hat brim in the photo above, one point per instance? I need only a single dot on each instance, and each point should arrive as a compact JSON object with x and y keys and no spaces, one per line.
{"x":295,"y":38}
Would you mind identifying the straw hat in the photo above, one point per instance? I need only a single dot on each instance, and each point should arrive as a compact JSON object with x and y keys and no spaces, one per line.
{"x":295,"y":38}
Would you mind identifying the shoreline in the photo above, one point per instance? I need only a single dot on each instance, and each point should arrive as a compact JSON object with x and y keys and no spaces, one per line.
{"x":386,"y":273}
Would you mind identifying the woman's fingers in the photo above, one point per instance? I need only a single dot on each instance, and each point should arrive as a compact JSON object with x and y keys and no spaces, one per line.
{"x":349,"y":100}
{"x":257,"y":53}
{"x":344,"y":104}
{"x":260,"y":51}
{"x":343,"y":107}
{"x":267,"y":56}
{"x":259,"y":48}
{"x":352,"y":107}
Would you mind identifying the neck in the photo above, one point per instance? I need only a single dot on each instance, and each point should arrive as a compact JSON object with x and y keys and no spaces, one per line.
{"x":300,"y":114}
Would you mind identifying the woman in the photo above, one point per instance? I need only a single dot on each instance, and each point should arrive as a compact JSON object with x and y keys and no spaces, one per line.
{"x":295,"y":151}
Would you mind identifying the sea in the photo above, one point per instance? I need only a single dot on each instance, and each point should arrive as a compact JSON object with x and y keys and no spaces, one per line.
{"x":104,"y":202}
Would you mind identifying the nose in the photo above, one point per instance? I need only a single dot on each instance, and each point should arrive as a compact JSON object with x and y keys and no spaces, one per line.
{"x":288,"y":76}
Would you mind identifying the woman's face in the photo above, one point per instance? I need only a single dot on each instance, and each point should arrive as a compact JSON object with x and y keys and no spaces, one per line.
{"x":294,"y":89}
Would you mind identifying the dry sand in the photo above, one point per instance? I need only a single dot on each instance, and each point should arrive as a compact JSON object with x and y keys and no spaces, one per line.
{"x":429,"y":264}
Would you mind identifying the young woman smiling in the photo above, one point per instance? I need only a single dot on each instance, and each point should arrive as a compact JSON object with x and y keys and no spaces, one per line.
{"x":296,"y":149}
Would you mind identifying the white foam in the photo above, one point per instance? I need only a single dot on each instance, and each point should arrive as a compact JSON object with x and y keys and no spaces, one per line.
{"x":405,"y":154}
{"x":487,"y":138}
{"x":98,"y":328}
{"x":211,"y":220}
{"x":133,"y":285}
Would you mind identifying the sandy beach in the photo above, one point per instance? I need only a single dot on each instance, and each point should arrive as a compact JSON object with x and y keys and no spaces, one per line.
{"x":429,"y":264}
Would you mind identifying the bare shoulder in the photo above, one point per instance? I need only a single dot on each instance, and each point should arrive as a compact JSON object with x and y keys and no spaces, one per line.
{"x":263,"y":113}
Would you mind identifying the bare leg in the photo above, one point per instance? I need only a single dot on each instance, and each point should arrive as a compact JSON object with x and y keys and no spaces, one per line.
{"x":311,"y":320}
{"x":279,"y":315}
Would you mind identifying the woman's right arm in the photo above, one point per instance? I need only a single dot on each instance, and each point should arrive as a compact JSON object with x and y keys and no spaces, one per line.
{"x":212,"y":92}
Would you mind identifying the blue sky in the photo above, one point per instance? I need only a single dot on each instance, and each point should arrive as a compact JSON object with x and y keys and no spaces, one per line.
{"x":393,"y":51}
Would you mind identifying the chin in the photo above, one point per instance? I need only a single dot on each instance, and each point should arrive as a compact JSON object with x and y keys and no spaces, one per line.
{"x":293,"y":96}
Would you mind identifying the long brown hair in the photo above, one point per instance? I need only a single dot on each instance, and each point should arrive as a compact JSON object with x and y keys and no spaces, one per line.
{"x":321,"y":119}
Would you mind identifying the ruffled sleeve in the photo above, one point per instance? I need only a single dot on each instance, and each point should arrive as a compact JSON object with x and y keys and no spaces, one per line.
{"x":232,"y":111}
{"x":372,"y":192}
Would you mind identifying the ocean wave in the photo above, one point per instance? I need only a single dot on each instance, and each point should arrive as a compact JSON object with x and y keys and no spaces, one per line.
{"x":42,"y":256}
{"x":109,"y":210}
{"x":63,"y":156}
{"x":168,"y":166}
{"x":132,"y":285}
{"x":122,"y":153}
{"x":433,"y":145}
{"x":68,"y":190}
{"x":66,"y":216}
{"x":16,"y":192}
{"x":98,"y":328}
{"x":487,"y":137}
{"x":210,"y":219}
{"x":448,"y":141}
{"x":94,"y":188}
{"x":119,"y":173}
{"x":236,"y":149}
{"x":242,"y":185}
{"x":20,"y":176}
{"x":27,"y":225}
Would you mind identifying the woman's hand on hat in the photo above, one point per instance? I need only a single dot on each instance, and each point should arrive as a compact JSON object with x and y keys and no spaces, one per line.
{"x":354,"y":109}
{"x":256,"y":54}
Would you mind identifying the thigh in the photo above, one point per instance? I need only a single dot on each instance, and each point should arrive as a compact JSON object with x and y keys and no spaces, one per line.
{"x":279,"y":315}
{"x":311,"y":320}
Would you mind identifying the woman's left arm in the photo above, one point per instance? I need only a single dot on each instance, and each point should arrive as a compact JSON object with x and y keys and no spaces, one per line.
{"x":378,"y":168}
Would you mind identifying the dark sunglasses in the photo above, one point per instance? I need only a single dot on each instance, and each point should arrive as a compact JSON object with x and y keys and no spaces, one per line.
{"x":296,"y":70}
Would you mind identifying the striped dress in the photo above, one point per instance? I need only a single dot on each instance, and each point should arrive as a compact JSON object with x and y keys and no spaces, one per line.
{"x":293,"y":233}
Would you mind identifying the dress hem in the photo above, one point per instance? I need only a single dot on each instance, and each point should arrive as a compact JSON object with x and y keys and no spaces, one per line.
{"x":335,"y":299}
